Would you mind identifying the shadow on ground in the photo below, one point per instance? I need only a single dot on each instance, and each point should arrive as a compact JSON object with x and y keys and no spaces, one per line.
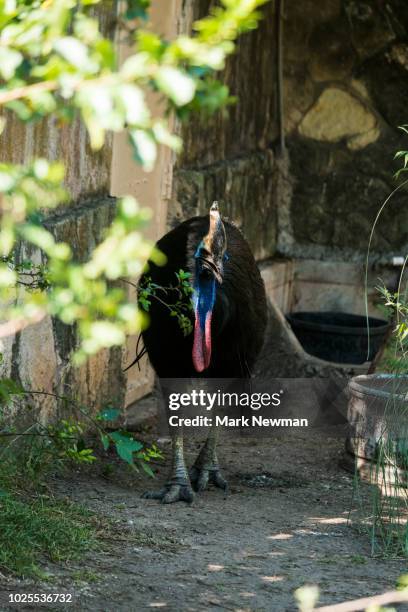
{"x":284,"y":524}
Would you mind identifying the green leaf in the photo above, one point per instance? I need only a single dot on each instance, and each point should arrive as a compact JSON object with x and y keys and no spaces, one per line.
{"x":9,"y":62}
{"x":177,"y":85}
{"x":7,"y":181}
{"x":107,"y":333}
{"x":136,"y":9}
{"x":105,"y":441}
{"x":144,"y":148}
{"x":125,"y":446}
{"x":132,"y":100}
{"x":109,"y":414}
{"x":124,"y":452}
{"x":75,"y":53}
{"x":164,"y":136}
{"x":147,"y":469}
{"x":7,"y":277}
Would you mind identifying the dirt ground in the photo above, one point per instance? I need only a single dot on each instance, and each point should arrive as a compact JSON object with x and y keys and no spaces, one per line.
{"x":284,"y":524}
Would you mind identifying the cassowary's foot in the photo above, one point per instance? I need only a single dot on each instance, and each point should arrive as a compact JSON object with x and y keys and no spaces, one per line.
{"x":201,"y":476}
{"x":172,"y":492}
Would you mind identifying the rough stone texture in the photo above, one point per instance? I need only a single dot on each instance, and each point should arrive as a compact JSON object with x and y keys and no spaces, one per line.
{"x":250,"y":124}
{"x":87,"y":172}
{"x":340,"y":147}
{"x":386,"y":78}
{"x":351,"y":118}
{"x":244,"y":189}
{"x":39,"y":356}
{"x":370,"y":28}
{"x":228,"y":158}
{"x":331,"y":55}
{"x":345,"y":88}
{"x":337,"y":195}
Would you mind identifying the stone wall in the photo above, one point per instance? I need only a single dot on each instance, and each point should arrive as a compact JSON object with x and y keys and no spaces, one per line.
{"x":346,"y":86}
{"x":345,"y":67}
{"x":229,"y":157}
{"x":345,"y":90}
{"x":87,"y":172}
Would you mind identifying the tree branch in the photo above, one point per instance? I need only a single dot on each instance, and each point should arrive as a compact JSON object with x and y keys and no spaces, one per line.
{"x":26,"y":90}
{"x":365,"y":602}
{"x":16,"y":325}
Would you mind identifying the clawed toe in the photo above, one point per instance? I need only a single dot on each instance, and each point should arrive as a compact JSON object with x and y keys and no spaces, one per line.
{"x":200,"y":477}
{"x":172,"y":493}
{"x":217,"y":479}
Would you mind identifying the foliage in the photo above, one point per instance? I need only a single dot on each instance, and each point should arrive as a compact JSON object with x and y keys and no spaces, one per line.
{"x":398,"y":305}
{"x":176,"y":299}
{"x":39,"y":527}
{"x":56,"y":60}
{"x":388,"y":471}
{"x":402,"y":155}
{"x":44,"y":448}
{"x":132,"y":451}
{"x":33,"y":525}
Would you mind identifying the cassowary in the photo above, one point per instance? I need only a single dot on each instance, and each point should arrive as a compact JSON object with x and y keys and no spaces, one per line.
{"x":228,"y":317}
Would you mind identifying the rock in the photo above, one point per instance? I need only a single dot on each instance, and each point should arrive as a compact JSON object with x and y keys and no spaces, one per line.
{"x":386,"y":78}
{"x":38,"y":366}
{"x":362,"y":140}
{"x":338,"y":192}
{"x":251,"y":122}
{"x":337,"y":115}
{"x":299,"y":95}
{"x":399,"y":54}
{"x":331,"y":55}
{"x":370,"y":29}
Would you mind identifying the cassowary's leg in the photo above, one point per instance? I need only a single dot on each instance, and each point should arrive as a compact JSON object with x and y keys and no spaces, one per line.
{"x":206,"y":469}
{"x":178,"y":487}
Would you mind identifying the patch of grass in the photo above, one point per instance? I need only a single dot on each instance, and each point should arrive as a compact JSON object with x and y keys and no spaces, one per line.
{"x":88,"y":576}
{"x":41,"y":528}
{"x":357,"y":559}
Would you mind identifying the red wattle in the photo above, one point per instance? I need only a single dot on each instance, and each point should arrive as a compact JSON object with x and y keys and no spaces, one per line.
{"x":202,"y":344}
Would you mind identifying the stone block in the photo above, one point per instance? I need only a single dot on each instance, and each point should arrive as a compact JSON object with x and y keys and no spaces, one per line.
{"x":337,"y":115}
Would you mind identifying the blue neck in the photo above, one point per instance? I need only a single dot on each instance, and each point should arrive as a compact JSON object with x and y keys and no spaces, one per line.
{"x":204,"y":299}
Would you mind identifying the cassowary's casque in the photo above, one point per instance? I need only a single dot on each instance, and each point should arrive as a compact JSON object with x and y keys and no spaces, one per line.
{"x":229,"y":320}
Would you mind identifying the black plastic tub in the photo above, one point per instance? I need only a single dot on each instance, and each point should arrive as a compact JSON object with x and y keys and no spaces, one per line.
{"x":338,"y":336}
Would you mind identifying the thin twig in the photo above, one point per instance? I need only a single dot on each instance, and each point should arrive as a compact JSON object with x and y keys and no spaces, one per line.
{"x":26,"y":90}
{"x":16,"y":325}
{"x":42,"y":435}
{"x":365,"y":602}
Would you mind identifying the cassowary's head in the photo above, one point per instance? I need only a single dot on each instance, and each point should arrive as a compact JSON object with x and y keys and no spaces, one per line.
{"x":209,"y":260}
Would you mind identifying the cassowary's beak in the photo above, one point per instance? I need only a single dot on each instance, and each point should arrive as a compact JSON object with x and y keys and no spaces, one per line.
{"x":209,"y":269}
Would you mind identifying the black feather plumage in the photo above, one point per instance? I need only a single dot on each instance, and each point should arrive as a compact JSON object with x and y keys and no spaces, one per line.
{"x":239,"y":315}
